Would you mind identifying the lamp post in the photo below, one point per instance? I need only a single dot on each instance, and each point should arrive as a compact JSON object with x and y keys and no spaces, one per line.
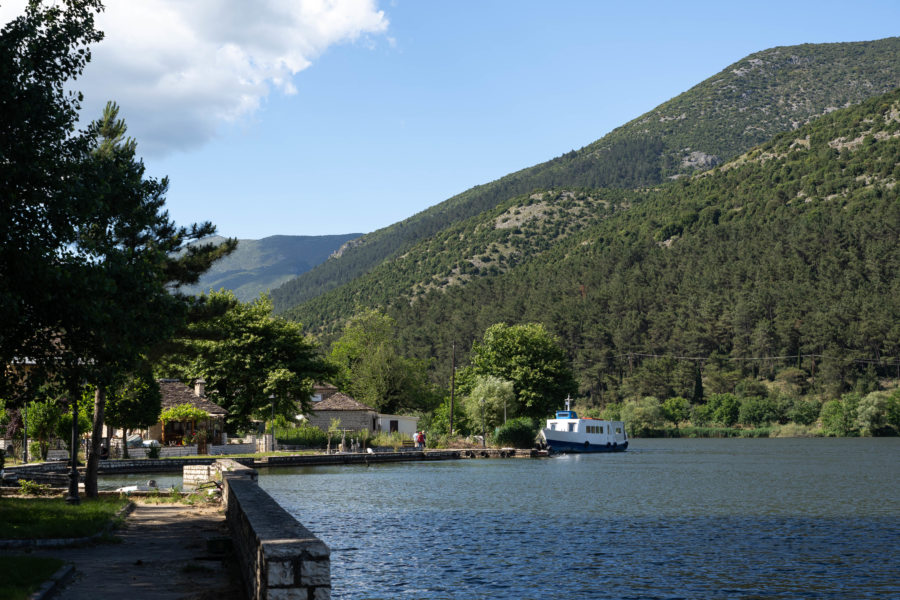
{"x":25,"y":434}
{"x":483,"y":439}
{"x":73,"y":498}
{"x":272,"y":398}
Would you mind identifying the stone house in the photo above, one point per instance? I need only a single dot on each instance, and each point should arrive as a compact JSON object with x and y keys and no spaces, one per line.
{"x":174,"y":393}
{"x":353,"y":415}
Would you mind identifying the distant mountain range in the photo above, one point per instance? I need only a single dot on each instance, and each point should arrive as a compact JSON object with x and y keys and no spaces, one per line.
{"x":257,"y":266}
{"x":748,"y":103}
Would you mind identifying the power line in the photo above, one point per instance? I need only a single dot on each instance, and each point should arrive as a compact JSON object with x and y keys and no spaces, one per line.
{"x":887,"y":361}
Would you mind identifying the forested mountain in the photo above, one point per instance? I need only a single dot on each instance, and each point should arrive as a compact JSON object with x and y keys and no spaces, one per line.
{"x":747,"y":103}
{"x":786,"y":257}
{"x":260,"y":265}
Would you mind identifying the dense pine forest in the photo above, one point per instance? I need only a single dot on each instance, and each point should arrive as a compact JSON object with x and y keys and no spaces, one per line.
{"x":747,"y":103}
{"x":781,"y":264}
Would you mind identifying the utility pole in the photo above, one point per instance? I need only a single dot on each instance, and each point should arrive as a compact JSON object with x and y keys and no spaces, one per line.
{"x":452,"y":384}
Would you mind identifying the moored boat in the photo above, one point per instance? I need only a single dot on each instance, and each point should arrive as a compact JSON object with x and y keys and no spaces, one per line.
{"x":569,"y":433}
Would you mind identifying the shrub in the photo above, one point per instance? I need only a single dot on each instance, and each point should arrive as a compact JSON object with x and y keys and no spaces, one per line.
{"x":804,"y":412}
{"x":878,"y":413}
{"x":675,"y":410}
{"x":153,"y":452}
{"x":36,"y":451}
{"x":612,"y":412}
{"x":724,"y":409}
{"x":839,"y":416}
{"x":756,"y":410}
{"x":33,"y":489}
{"x":306,"y":435}
{"x":642,"y":415}
{"x":516,"y":433}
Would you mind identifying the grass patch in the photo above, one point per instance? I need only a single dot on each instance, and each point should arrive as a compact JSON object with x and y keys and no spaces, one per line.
{"x":20,"y":576}
{"x":709,"y":432}
{"x":47,"y":518}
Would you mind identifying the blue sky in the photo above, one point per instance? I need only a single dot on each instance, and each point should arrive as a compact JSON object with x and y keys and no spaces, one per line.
{"x":370,"y":115}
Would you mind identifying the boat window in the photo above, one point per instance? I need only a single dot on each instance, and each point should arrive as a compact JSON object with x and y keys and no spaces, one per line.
{"x":571,"y":426}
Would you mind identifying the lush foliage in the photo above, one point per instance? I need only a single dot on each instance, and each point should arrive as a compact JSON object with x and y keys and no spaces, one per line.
{"x":89,"y":259}
{"x":516,"y":433}
{"x":305,"y":436}
{"x":134,"y":401}
{"x":183,"y":412}
{"x":253,"y":363}
{"x":789,"y":251}
{"x":531,"y":359}
{"x":490,"y":403}
{"x":372,"y":370}
{"x":41,"y":418}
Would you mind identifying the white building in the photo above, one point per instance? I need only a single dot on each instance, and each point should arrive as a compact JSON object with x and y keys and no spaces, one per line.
{"x":402,"y":424}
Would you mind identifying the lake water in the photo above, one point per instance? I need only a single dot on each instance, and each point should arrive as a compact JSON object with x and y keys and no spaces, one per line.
{"x":755,"y":518}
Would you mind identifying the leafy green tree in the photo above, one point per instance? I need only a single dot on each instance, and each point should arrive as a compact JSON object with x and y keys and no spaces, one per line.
{"x":42,"y":418}
{"x":724,"y":409}
{"x":495,"y":397}
{"x":134,"y":401}
{"x":756,"y":411}
{"x":531,"y":358}
{"x":803,"y":412}
{"x":80,"y":222}
{"x":372,"y":369}
{"x":612,"y":412}
{"x":40,"y":209}
{"x":675,"y":410}
{"x":438,"y":422}
{"x":839,"y":416}
{"x":642,"y":415}
{"x":250,"y":360}
{"x":878,"y":413}
{"x":85,"y":413}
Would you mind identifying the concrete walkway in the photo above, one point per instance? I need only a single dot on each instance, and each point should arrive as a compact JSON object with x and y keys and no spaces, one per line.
{"x":164,"y":553}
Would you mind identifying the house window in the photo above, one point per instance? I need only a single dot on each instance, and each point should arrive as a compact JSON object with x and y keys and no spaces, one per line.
{"x":394,"y":426}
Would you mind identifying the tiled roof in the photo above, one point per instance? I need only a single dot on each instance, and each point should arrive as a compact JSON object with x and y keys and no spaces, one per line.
{"x":175,"y":393}
{"x":340,"y":401}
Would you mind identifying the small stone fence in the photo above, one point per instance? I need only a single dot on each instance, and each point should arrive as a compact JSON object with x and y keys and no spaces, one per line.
{"x":279,"y":558}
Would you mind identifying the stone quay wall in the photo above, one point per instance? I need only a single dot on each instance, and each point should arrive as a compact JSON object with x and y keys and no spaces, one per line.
{"x":279,"y":557}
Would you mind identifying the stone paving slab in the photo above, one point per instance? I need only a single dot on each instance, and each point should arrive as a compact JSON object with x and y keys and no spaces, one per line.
{"x":163,"y":554}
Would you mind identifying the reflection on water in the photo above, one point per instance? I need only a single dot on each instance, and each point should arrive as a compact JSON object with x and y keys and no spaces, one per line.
{"x":667,"y":519}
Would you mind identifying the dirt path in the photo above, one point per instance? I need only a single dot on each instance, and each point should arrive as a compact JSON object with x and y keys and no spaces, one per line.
{"x":163,"y":553}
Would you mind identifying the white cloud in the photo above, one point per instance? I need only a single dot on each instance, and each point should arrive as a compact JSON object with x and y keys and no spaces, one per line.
{"x":179,"y":69}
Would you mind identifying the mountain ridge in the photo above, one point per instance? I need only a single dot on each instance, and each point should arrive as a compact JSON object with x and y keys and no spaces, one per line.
{"x":653,"y":147}
{"x":257,"y":266}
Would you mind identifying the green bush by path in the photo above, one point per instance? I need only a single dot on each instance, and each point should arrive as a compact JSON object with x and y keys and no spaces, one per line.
{"x":308,"y":437}
{"x":21,"y":576}
{"x":47,"y":518}
{"x":516,"y":433}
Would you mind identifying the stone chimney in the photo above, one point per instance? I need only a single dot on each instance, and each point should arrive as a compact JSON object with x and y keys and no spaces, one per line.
{"x":199,"y":384}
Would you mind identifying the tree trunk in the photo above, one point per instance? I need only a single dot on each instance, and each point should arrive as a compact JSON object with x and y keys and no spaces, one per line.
{"x":124,"y":443}
{"x":90,"y":477}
